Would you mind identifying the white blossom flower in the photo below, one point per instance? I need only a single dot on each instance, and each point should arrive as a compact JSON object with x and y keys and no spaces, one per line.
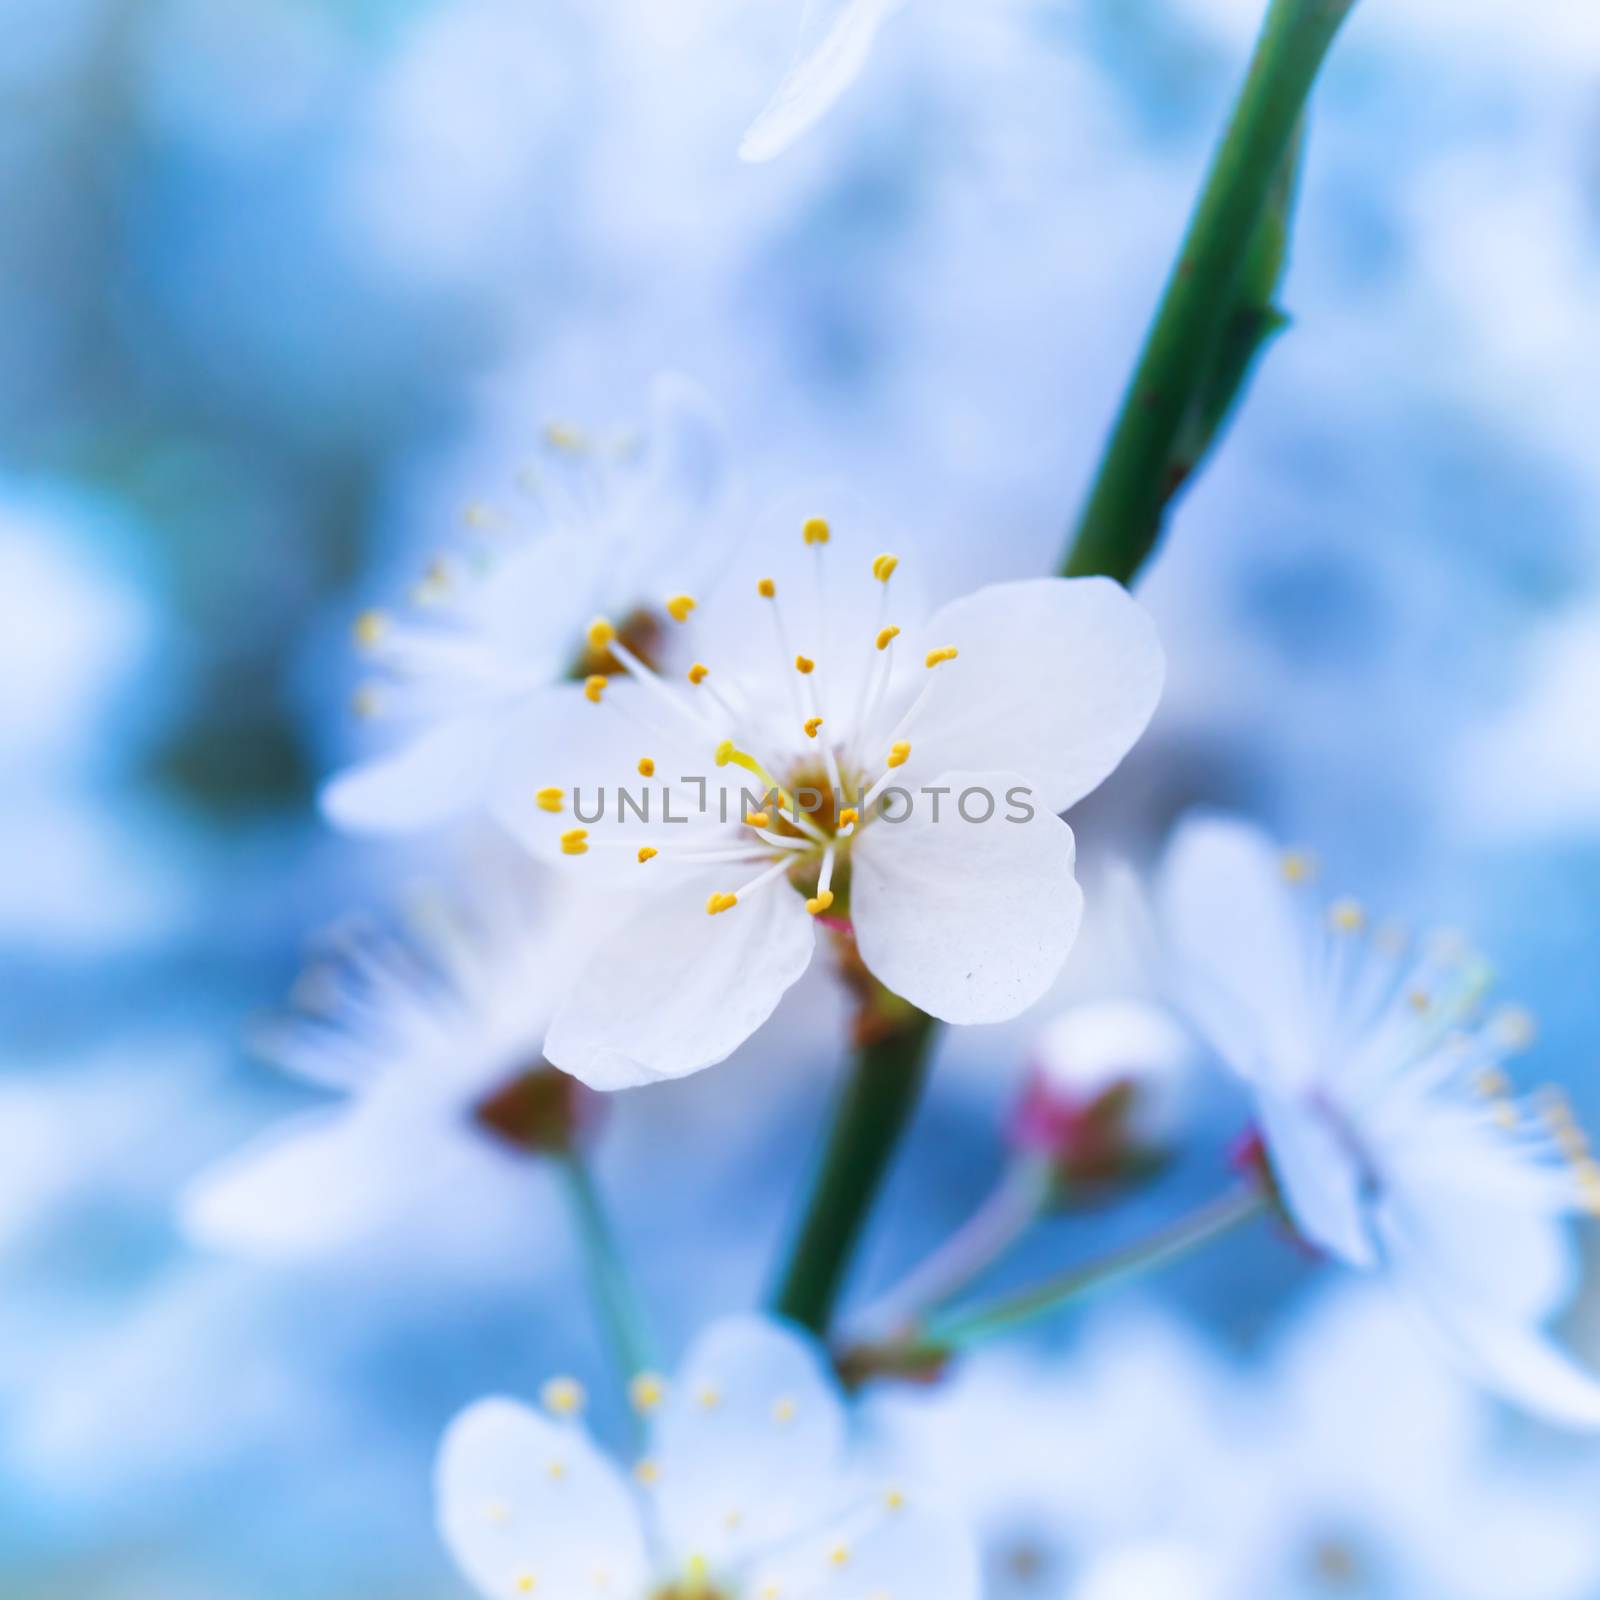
{"x":836,"y":37}
{"x":432,"y":1037}
{"x":494,"y":641}
{"x":744,"y":1492}
{"x":1382,"y":1100}
{"x":812,"y":766}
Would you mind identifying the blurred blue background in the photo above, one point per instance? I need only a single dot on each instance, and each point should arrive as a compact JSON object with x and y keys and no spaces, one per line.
{"x":284,"y":283}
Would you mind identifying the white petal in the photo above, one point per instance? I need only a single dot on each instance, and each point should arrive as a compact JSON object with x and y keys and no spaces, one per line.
{"x":971,"y":921}
{"x":890,"y":1542}
{"x":1321,"y":1183}
{"x":1056,"y":678}
{"x":520,"y":1496}
{"x":748,"y":1441}
{"x":1239,"y":947}
{"x":675,"y":990}
{"x":835,"y":40}
{"x":442,"y":773}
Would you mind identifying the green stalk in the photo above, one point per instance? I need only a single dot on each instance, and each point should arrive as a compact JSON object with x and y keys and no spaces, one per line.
{"x":1216,"y":310}
{"x":616,"y":1303}
{"x":878,"y":1098}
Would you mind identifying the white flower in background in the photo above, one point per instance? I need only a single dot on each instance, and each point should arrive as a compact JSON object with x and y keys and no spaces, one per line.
{"x":836,"y":37}
{"x":814,"y":764}
{"x":432,"y":1036}
{"x":493,"y":642}
{"x":744,"y":1492}
{"x":1156,"y":1571}
{"x":1382,"y":1100}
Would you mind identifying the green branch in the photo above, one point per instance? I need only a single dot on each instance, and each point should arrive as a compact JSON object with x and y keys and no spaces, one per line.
{"x":1218,"y":309}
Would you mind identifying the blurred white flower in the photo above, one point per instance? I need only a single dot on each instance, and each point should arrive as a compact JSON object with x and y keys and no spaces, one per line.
{"x":745,"y":1492}
{"x":432,"y":1035}
{"x":1383,"y":1103}
{"x":836,"y":36}
{"x":808,"y":770}
{"x":495,"y":639}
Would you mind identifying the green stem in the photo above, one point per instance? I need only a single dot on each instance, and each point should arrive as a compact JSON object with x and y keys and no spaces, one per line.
{"x":879,"y":1096}
{"x":615,"y":1301}
{"x":945,"y":1336}
{"x":1143,"y":462}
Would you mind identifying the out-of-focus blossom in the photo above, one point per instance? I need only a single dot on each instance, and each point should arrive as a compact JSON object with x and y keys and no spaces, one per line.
{"x":1383,"y":1102}
{"x":432,"y":1035}
{"x":494,"y":644}
{"x":1106,"y":1093}
{"x":745,"y":1489}
{"x":809,"y":771}
{"x":836,"y":37}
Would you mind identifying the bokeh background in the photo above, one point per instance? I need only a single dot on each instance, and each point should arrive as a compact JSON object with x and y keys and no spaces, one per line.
{"x":283,"y":283}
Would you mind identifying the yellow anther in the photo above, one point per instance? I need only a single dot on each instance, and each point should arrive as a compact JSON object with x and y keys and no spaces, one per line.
{"x":769,"y":1591}
{"x":527,"y":1583}
{"x":1418,"y":1000}
{"x":557,"y":1469}
{"x":563,"y":1397}
{"x":370,"y":628}
{"x":1298,"y":866}
{"x":759,"y":819}
{"x":708,"y":1397}
{"x":883,"y":567}
{"x":840,"y":1555}
{"x":725,"y":752}
{"x":893,"y":1500}
{"x":1346,"y":916}
{"x":366,"y":702}
{"x":816,"y":531}
{"x":575,"y":842}
{"x":732,"y":1519}
{"x":783,"y":1410}
{"x":593,"y":687}
{"x":699,"y":672}
{"x":944,"y":653}
{"x":848,"y":817}
{"x":600,"y":633}
{"x":1491,"y":1081}
{"x":899,"y":751}
{"x":811,"y":726}
{"x":475,"y":514}
{"x":1513,"y":1028}
{"x":646,"y":1391}
{"x":720,"y":902}
{"x":819,"y":903}
{"x":767,"y":589}
{"x":647,"y":767}
{"x":679,"y":607}
{"x":647,"y":852}
{"x":887,"y":636}
{"x":498,"y":1512}
{"x":804,"y":664}
{"x":550,"y":799}
{"x":563,"y":436}
{"x":433,"y":586}
{"x":647,"y":1472}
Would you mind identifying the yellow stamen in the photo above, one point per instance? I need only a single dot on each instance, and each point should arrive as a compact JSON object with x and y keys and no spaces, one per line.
{"x":593,"y":687}
{"x":699,"y":672}
{"x":1513,"y":1028}
{"x":557,"y":1469}
{"x":563,"y":436}
{"x":804,"y":664}
{"x":647,"y":1472}
{"x":811,"y":726}
{"x":886,"y":636}
{"x":883,"y":567}
{"x":366,"y":702}
{"x":646,"y":1390}
{"x":848,"y":816}
{"x":767,"y":589}
{"x":434,"y":585}
{"x":647,"y":767}
{"x":820,"y":903}
{"x":710,"y":1397}
{"x":898,"y":752}
{"x":1298,"y":866}
{"x":840,"y":1555}
{"x":563,"y":1397}
{"x":647,"y":853}
{"x":759,"y":819}
{"x":600,"y":634}
{"x":783,"y":1410}
{"x":526,"y":1583}
{"x":679,"y":607}
{"x":944,"y":653}
{"x":816,"y":531}
{"x":1346,"y":916}
{"x":550,"y":799}
{"x":728,"y":751}
{"x":721,"y":902}
{"x":893,"y":1500}
{"x":370,"y":628}
{"x":574,"y":842}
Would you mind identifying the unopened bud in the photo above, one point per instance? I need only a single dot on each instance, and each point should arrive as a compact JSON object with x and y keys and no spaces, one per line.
{"x":1104,"y":1101}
